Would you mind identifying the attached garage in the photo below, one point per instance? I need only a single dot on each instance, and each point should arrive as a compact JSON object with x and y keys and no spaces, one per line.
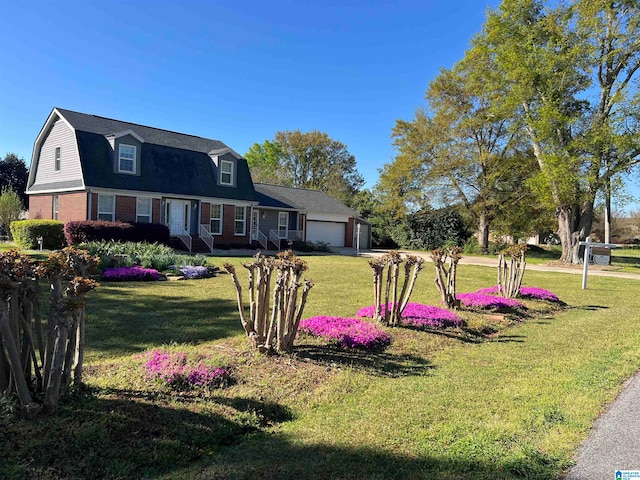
{"x":332,"y":233}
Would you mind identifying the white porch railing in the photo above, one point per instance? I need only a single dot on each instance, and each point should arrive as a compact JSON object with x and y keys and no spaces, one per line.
{"x":205,"y":235}
{"x":186,"y":239}
{"x":276,"y":235}
{"x":274,"y":238}
{"x":262,"y":239}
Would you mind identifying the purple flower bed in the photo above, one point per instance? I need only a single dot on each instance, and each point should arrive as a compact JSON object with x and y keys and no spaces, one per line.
{"x":175,"y":371}
{"x":346,"y":332}
{"x":489,"y":302}
{"x":194,"y":272}
{"x":538,"y":294}
{"x":533,"y":293}
{"x":421,"y":315}
{"x":136,"y":273}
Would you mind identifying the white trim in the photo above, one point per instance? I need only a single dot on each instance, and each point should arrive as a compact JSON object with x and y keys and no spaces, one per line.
{"x":135,"y":158}
{"x":150,"y":209}
{"x":134,"y":193}
{"x":219,"y":232}
{"x":55,"y":206}
{"x":244,"y":221}
{"x":231,"y":176}
{"x":124,"y":134}
{"x":113,"y":212}
{"x":222,"y":151}
{"x":56,"y":190}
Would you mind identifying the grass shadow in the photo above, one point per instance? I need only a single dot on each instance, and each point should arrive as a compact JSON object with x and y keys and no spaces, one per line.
{"x":592,"y":308}
{"x":376,"y":363}
{"x":111,"y":435}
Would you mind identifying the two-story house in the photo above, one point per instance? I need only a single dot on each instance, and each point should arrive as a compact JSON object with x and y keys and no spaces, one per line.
{"x":87,"y":167}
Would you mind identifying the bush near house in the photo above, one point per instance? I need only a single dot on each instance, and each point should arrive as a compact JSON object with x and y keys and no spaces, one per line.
{"x":78,"y":232}
{"x":25,"y":234}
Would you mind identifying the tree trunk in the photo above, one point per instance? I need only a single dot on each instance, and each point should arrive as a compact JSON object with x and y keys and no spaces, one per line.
{"x":574,"y":226}
{"x":483,"y":233}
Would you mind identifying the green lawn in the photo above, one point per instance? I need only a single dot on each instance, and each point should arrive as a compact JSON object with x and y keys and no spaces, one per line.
{"x":505,"y":398}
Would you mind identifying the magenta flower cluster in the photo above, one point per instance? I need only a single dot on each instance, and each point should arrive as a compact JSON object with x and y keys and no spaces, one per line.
{"x":178,"y":374}
{"x":136,"y":273}
{"x":194,"y":271}
{"x":346,"y":332}
{"x":533,"y":293}
{"x":488,"y":302}
{"x":421,"y":315}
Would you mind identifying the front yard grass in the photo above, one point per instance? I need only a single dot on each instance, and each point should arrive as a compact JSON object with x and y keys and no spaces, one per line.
{"x":507,"y":397}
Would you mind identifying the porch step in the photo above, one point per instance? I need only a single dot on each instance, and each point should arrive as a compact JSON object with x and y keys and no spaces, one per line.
{"x":198,"y":245}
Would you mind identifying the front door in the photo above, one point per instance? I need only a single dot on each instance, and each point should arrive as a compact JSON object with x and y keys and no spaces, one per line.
{"x":178,"y":217}
{"x":255,"y":224}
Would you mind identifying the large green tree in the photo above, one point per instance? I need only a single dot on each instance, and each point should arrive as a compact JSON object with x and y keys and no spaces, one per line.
{"x":569,"y":72}
{"x":14,"y":175}
{"x":462,"y":148}
{"x":307,"y":160}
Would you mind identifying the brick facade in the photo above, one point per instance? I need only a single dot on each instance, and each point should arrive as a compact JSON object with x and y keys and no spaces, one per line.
{"x":348,"y":233}
{"x":71,"y":206}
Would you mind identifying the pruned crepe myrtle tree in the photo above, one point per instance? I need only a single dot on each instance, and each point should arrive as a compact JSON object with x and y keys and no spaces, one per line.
{"x":275,"y":305}
{"x":570,"y":75}
{"x":510,"y":275}
{"x":394,"y":302}
{"x":38,"y":364}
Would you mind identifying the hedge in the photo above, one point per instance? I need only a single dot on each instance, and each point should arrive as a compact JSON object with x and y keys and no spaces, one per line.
{"x":25,"y":233}
{"x":78,"y":232}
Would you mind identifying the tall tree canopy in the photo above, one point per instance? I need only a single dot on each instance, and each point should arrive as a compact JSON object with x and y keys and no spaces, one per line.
{"x":463,"y":148}
{"x":14,"y":176}
{"x":569,"y":72}
{"x":308,"y":160}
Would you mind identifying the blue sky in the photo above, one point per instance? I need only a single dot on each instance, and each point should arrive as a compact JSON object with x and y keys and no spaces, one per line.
{"x":237,"y":71}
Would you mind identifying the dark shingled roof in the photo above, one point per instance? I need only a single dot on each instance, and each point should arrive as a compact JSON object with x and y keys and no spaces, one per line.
{"x":302,"y":199}
{"x":108,"y":126}
{"x":170,"y":162}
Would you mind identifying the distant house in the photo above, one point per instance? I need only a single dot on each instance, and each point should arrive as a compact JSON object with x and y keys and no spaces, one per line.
{"x":87,"y":167}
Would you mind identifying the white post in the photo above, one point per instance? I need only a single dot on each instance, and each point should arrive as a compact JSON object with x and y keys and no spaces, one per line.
{"x":587,"y":254}
{"x":358,"y":240}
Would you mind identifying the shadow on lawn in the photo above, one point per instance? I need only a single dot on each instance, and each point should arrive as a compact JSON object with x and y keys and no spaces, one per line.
{"x":276,"y":457}
{"x":121,"y":321}
{"x":95,"y":438}
{"x":377,"y":363}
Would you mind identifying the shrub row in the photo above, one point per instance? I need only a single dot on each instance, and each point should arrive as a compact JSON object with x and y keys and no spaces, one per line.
{"x":26,"y":233}
{"x":78,"y":232}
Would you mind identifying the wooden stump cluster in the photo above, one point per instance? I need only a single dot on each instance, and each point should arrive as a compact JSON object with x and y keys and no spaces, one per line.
{"x":395,"y":302}
{"x":275,"y":303}
{"x":510,"y":275}
{"x":446,"y":262}
{"x":37,"y":364}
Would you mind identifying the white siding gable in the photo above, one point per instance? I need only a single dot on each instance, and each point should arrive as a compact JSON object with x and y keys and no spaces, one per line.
{"x":60,"y":136}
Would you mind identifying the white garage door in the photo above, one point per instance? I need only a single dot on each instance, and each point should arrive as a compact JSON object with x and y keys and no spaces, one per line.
{"x":329,"y":232}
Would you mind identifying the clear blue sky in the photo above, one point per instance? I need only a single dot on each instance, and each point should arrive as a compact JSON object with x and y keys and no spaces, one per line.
{"x":237,"y":71}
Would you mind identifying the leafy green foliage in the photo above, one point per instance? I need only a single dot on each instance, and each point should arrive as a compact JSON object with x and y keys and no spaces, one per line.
{"x":306,"y":160}
{"x":14,"y":176}
{"x":436,"y":228}
{"x":10,"y":208}
{"x":25,"y":233}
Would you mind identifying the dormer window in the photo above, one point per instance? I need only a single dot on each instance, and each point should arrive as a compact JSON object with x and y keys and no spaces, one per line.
{"x":226,"y":172}
{"x":126,"y":158}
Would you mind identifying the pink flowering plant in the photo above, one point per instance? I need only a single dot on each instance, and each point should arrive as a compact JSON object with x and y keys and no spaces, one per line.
{"x":533,"y":293}
{"x":174,"y":370}
{"x":485,"y":301}
{"x":421,"y":316}
{"x":136,"y":273}
{"x":346,"y":332}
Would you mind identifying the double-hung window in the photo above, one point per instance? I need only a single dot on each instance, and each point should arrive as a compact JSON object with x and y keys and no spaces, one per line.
{"x":126,"y":158}
{"x":56,"y":161}
{"x":240,"y":221}
{"x":216,"y":219}
{"x":106,"y":207}
{"x":55,"y":207}
{"x":226,"y":172}
{"x":143,"y":210}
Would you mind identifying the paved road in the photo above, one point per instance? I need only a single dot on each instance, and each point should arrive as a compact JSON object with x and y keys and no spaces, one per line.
{"x":614,"y":442}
